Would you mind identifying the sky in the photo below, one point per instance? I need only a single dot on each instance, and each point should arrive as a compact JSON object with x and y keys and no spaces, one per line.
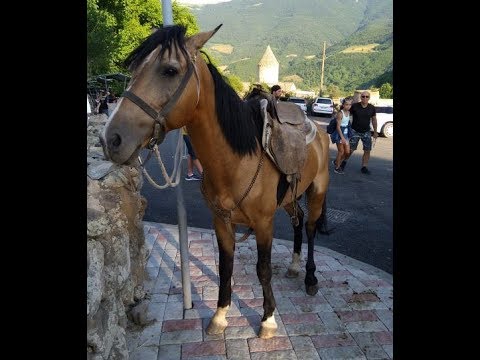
{"x":201,"y":2}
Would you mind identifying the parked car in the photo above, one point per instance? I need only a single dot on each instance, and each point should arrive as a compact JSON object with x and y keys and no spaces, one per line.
{"x":300,"y":102}
{"x":384,"y":120}
{"x":322,"y":106}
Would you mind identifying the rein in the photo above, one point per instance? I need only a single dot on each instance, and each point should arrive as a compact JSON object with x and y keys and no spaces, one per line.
{"x":226,"y":215}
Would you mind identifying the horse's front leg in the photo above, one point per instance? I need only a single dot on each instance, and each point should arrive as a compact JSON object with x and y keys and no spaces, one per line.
{"x":294,"y":267}
{"x":226,"y":249}
{"x":316,"y":215}
{"x":264,"y":236}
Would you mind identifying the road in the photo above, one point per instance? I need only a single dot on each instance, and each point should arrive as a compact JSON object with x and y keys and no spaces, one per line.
{"x":359,"y":206}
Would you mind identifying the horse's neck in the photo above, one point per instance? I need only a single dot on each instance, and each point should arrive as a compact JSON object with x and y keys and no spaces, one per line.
{"x":227,"y":174}
{"x":211,"y":146}
{"x":209,"y":143}
{"x":215,"y":154}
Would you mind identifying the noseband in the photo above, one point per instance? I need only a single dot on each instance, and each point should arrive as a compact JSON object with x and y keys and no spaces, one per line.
{"x":159,"y":117}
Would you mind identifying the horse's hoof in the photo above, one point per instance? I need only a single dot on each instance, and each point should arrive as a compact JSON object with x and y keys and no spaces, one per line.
{"x":312,"y":290}
{"x":291,"y":273}
{"x":266,"y":332}
{"x":216,"y":327}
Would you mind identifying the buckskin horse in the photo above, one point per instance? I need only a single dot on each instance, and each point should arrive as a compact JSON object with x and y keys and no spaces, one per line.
{"x":173,"y":85}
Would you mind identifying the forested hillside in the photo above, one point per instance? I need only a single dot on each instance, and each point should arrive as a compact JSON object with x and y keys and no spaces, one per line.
{"x":296,"y":30}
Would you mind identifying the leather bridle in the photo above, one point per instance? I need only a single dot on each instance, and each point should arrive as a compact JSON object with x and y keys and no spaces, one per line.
{"x":158,"y":133}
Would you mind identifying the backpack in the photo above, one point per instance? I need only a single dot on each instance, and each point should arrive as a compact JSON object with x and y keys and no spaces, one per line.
{"x":332,"y":126}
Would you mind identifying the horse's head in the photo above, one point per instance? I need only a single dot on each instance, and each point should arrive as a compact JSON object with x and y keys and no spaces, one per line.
{"x":162,"y":94}
{"x":258,"y":93}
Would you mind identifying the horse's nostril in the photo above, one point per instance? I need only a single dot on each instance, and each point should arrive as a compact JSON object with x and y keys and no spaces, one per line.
{"x":116,"y":140}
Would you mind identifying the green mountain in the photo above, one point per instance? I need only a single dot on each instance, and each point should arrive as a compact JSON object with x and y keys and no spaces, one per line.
{"x":358,"y":36}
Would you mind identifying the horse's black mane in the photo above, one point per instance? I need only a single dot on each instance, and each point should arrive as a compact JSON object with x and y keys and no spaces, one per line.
{"x":241,"y":121}
{"x":164,"y":37}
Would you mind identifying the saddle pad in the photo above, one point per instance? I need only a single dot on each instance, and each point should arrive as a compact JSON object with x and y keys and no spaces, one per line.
{"x":290,"y":113}
{"x":310,"y":129}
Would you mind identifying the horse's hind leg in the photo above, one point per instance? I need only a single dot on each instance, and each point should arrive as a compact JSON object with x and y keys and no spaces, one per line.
{"x":316,"y":207}
{"x":226,"y":249}
{"x":294,"y":267}
{"x":264,"y":236}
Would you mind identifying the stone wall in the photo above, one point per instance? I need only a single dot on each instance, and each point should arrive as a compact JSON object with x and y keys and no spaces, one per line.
{"x":116,"y":252}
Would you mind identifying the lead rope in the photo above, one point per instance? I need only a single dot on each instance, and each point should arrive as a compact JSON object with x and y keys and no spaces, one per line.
{"x":169,"y":182}
{"x":178,"y":152}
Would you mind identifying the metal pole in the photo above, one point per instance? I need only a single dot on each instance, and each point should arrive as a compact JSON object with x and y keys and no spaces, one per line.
{"x":181,"y":213}
{"x":183,"y":239}
{"x":167,"y":13}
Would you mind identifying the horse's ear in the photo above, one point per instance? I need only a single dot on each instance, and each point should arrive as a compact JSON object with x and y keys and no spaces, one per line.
{"x":196,"y":42}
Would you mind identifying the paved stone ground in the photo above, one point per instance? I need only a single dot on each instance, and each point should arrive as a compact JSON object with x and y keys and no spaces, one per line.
{"x":349,"y":318}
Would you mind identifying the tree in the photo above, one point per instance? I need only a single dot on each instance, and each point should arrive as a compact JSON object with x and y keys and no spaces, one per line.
{"x":235,"y":83}
{"x":116,"y":27}
{"x":333,"y":91}
{"x":386,"y":91}
{"x":101,"y":38}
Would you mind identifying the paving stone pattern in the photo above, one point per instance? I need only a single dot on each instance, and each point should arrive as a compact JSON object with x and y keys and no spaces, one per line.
{"x":349,"y":318}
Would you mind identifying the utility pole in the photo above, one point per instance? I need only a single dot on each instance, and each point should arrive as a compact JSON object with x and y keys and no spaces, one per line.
{"x":181,"y":213}
{"x":323,"y":65}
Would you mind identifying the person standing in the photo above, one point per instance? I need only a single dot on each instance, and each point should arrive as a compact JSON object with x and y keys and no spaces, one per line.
{"x":276,"y":91}
{"x":191,"y":159}
{"x":102,"y":103}
{"x":111,"y":98}
{"x":340,"y":136}
{"x":111,"y":102}
{"x":362,"y":113}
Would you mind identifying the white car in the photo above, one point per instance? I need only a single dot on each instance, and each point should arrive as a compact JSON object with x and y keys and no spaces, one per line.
{"x":300,"y":102}
{"x":384,"y":120}
{"x":322,"y":106}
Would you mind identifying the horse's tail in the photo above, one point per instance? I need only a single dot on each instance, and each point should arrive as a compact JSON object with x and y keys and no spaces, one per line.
{"x":321,"y":222}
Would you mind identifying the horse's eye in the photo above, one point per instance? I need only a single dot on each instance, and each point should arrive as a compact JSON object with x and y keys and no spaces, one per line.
{"x":170,"y":71}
